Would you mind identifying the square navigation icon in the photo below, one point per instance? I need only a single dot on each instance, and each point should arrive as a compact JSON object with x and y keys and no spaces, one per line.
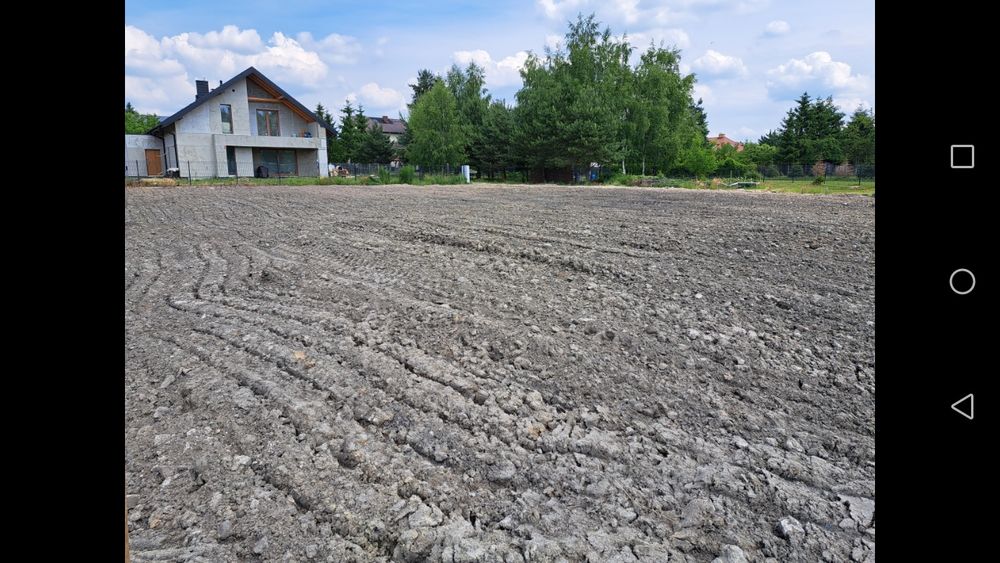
{"x":963,"y":156}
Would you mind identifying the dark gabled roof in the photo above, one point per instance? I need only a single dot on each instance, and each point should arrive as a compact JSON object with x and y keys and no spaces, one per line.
{"x":389,"y":125}
{"x":222,"y":88}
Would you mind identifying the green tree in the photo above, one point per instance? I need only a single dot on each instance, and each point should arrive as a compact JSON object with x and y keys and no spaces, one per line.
{"x":759,"y":154}
{"x":859,"y":137}
{"x":332,"y":146}
{"x":667,"y":117}
{"x":425,"y":81}
{"x":436,"y":131}
{"x":472,"y":101}
{"x":700,"y":118}
{"x":811,"y":131}
{"x":375,"y":146}
{"x":699,"y":159}
{"x":495,"y":143}
{"x":586,"y":103}
{"x":350,"y":133}
{"x":137,"y":123}
{"x":572,"y":108}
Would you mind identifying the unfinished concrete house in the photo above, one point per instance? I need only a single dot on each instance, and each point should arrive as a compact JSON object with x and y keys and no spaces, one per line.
{"x":247,"y":126}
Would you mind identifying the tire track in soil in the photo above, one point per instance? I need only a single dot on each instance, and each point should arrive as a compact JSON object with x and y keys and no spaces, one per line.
{"x":699,"y":422}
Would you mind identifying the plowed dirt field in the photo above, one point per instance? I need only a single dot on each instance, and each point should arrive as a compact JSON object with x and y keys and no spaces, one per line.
{"x":488,"y":373}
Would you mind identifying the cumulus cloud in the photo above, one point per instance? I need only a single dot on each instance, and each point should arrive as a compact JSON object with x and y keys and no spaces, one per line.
{"x":378,"y":99}
{"x":669,"y":36}
{"x":657,"y":12}
{"x":230,"y":38}
{"x":334,"y":48}
{"x":504,"y":72}
{"x":143,"y":56}
{"x":716,"y":64}
{"x":160,"y":73}
{"x":818,"y":74}
{"x":776,"y":28}
{"x":558,"y":9}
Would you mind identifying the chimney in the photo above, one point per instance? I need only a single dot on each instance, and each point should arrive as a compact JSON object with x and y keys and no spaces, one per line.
{"x":201,"y":88}
{"x":722,"y":135}
{"x":385,"y":119}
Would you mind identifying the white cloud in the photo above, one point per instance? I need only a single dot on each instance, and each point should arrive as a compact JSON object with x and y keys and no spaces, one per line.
{"x":479,"y":56}
{"x":334,"y":48}
{"x":553,"y":41}
{"x":629,"y":10}
{"x":559,"y":9}
{"x":288,"y":60}
{"x":703,"y":92}
{"x":776,"y":28}
{"x":160,"y":73}
{"x":716,"y":64}
{"x":143,"y":56}
{"x":505,"y":72}
{"x":848,"y":105}
{"x":669,"y":36}
{"x":230,"y":38}
{"x":378,"y":98}
{"x":818,"y":74}
{"x":658,"y":12}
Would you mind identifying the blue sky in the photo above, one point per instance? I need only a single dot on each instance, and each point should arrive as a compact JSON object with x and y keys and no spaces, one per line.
{"x":752,"y":58}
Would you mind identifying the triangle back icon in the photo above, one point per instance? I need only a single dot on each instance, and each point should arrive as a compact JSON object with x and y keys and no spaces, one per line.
{"x":964,"y":406}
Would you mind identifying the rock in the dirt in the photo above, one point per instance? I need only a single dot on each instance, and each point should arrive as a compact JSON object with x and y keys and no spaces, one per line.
{"x":225,"y":529}
{"x":352,"y":450}
{"x":501,"y":472}
{"x":731,"y":554}
{"x":790,"y":529}
{"x":425,"y":516}
{"x":260,"y":546}
{"x":697,"y":512}
{"x":793,"y":445}
{"x":862,"y":509}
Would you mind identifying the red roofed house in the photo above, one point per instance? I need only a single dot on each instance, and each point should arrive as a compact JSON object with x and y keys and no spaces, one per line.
{"x":722,"y":139}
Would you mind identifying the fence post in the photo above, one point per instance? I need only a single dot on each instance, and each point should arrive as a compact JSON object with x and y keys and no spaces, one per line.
{"x":137,"y":171}
{"x":190,"y":180}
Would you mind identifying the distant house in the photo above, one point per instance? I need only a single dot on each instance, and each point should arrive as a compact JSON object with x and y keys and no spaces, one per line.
{"x":246,"y":126}
{"x":394,"y":128}
{"x":723,"y":140}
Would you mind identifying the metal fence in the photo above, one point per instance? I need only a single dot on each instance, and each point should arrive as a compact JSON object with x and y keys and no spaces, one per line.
{"x":297,"y":172}
{"x":189,"y":170}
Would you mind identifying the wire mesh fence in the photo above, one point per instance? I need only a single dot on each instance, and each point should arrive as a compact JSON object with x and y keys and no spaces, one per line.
{"x":226,"y":172}
{"x":303,"y":171}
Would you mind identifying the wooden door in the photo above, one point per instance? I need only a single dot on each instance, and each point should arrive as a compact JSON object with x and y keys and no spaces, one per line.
{"x":153,"y":165}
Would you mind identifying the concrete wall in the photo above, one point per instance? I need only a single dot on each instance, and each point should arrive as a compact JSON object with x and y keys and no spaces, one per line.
{"x":169,"y":157}
{"x":289,"y":122}
{"x":235,"y":96}
{"x":307,"y":163}
{"x":135,"y":152}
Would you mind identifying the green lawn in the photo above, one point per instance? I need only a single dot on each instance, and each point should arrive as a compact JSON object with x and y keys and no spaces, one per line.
{"x":836,"y":186}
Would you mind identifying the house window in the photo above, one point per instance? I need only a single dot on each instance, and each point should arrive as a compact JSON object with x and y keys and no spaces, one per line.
{"x":227,"y":117}
{"x":281,"y":162}
{"x":267,"y":123}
